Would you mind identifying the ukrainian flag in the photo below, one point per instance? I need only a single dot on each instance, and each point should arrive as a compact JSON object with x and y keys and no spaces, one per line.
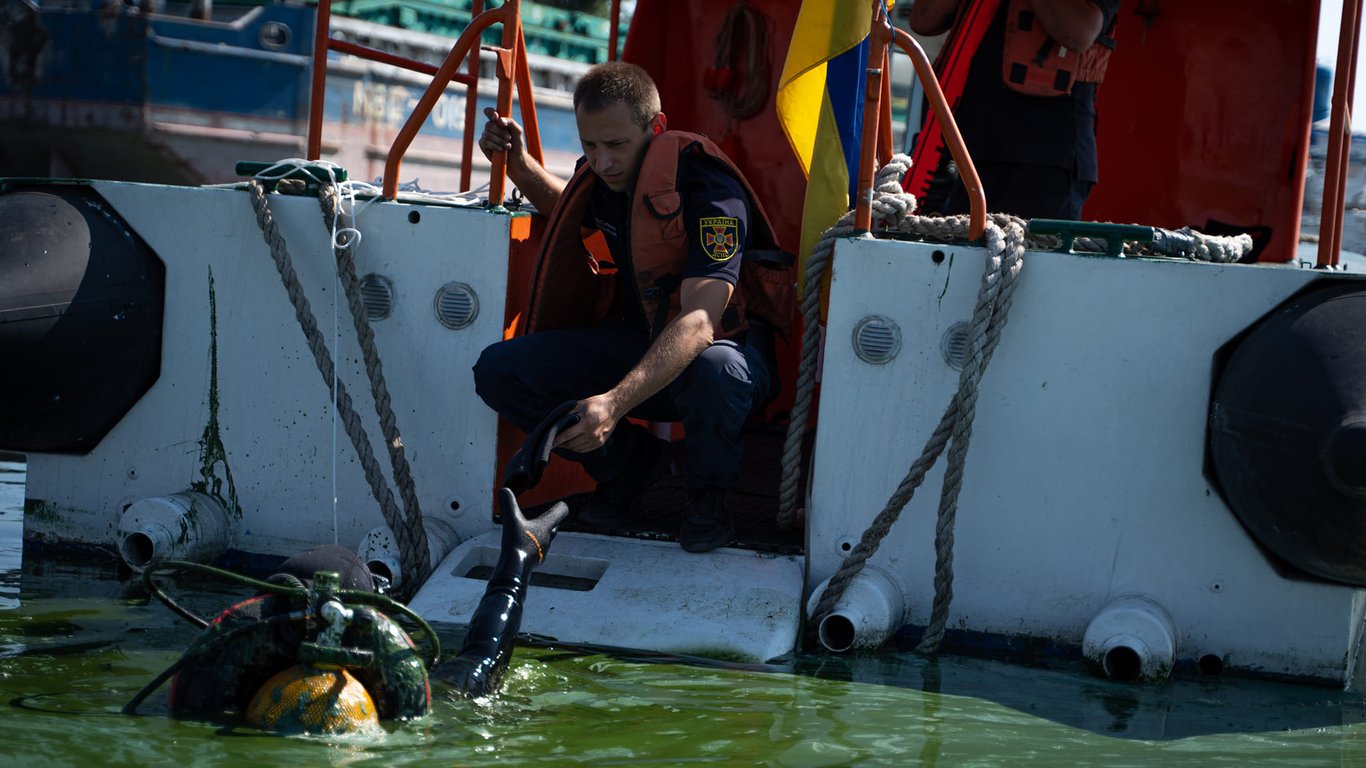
{"x":820,"y":106}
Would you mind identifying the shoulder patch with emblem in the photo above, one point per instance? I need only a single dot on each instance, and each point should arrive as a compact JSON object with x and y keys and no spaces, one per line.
{"x":720,"y":237}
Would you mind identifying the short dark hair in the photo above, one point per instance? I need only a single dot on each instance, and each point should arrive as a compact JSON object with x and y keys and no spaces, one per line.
{"x":617,"y":82}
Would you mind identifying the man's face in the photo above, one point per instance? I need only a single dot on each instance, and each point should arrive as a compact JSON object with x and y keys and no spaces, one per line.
{"x":613,"y":144}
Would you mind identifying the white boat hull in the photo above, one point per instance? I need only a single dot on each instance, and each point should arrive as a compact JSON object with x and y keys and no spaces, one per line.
{"x":288,"y":461}
{"x":1085,"y":483}
{"x":1085,"y":480}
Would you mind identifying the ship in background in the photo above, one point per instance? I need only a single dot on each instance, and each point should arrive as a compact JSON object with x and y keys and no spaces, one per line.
{"x":176,"y":93}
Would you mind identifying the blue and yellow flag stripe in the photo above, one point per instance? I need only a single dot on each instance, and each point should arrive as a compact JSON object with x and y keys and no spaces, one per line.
{"x":820,"y":106}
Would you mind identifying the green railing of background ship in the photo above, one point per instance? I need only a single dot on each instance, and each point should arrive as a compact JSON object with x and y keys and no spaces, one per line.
{"x":549,"y":31}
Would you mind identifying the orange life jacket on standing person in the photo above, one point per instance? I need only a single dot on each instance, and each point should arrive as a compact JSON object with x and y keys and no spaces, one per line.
{"x":569,"y":290}
{"x":1033,"y":63}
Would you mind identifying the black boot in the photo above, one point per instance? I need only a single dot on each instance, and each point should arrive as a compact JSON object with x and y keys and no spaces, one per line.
{"x":707,"y":523}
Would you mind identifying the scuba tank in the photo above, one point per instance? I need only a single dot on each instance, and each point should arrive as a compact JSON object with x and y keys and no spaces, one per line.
{"x":318,"y":658}
{"x":310,"y":659}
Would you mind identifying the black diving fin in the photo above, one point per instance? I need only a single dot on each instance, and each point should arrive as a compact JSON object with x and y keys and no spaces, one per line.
{"x":528,"y":464}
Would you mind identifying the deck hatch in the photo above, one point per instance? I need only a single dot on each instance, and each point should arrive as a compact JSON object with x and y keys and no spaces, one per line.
{"x":730,"y":603}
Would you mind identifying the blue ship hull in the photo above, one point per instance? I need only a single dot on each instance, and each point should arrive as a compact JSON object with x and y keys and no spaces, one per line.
{"x":166,"y":98}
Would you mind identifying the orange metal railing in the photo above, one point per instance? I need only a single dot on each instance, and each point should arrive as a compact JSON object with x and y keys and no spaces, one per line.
{"x":508,"y":53}
{"x":471,"y":113}
{"x":877,"y":133}
{"x":511,"y":68}
{"x":1339,"y":137}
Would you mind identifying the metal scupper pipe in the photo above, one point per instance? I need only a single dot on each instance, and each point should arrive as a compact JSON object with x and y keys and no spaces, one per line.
{"x":380,"y":552}
{"x":869,"y":611}
{"x":188,"y":525}
{"x":1133,"y":639}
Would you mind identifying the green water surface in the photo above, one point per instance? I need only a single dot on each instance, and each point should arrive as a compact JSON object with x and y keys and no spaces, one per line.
{"x":77,"y":643}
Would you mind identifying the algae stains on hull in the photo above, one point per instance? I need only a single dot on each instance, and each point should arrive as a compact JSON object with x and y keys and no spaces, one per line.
{"x":212,"y":453}
{"x":39,"y":511}
{"x":948,"y":273}
{"x":50,"y":522}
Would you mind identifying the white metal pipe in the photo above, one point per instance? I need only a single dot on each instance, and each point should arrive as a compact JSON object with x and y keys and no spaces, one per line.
{"x":1133,"y":639}
{"x":379,"y":549}
{"x":188,"y":525}
{"x":870,"y":610}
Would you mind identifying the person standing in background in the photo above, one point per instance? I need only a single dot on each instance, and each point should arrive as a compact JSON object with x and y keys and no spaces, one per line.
{"x":1028,"y":108}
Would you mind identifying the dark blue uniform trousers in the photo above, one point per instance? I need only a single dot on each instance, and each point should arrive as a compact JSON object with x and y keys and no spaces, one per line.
{"x":524,"y":377}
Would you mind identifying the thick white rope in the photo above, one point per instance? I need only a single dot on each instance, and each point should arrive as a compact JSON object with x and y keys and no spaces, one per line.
{"x":893,"y":209}
{"x":1005,"y":244}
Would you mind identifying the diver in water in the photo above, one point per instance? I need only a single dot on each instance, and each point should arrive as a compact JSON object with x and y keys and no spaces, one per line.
{"x":320,"y":657}
{"x":285,"y":661}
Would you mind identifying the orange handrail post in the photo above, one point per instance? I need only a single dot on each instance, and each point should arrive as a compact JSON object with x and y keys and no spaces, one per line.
{"x":1339,"y":138}
{"x":440,"y":80}
{"x":977,"y":199}
{"x":507,"y":68}
{"x":471,"y":109}
{"x":878,"y":38}
{"x":884,"y":125}
{"x":1353,"y":46}
{"x":531,"y":129}
{"x":322,"y":22}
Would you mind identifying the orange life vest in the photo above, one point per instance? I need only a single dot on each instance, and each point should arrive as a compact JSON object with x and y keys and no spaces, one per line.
{"x":570,"y":290}
{"x":1033,"y":63}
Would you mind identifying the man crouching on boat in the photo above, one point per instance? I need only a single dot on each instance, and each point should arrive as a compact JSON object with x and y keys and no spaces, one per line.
{"x":681,"y":331}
